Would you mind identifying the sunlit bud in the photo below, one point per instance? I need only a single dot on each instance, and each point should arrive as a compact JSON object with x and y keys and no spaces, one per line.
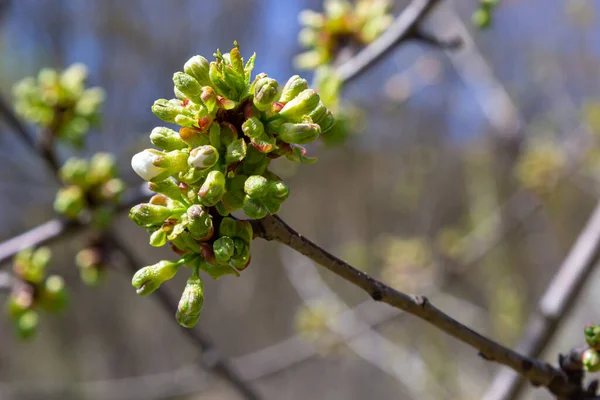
{"x":149,"y":215}
{"x":235,"y":59}
{"x":199,"y":222}
{"x":70,"y":201}
{"x":223,"y":248}
{"x":27,"y":324}
{"x":165,"y":110}
{"x":193,"y":137}
{"x":189,"y":86}
{"x":144,"y":164}
{"x":299,"y":133}
{"x":148,"y":279}
{"x":168,"y":187}
{"x":226,"y":104}
{"x":279,"y":191}
{"x":228,"y":227}
{"x":592,"y":335}
{"x":197,"y":67}
{"x":203,"y":157}
{"x":191,"y":302}
{"x":294,"y":86}
{"x":255,"y":130}
{"x":75,"y":172}
{"x":326,"y":122}
{"x":256,"y":186}
{"x":166,"y":139}
{"x":54,"y":296}
{"x":212,"y":189}
{"x":591,"y":360}
{"x":265,"y":93}
{"x":254,"y":208}
{"x":158,"y":238}
{"x":36,"y":268}
{"x":236,"y":151}
{"x":300,"y":106}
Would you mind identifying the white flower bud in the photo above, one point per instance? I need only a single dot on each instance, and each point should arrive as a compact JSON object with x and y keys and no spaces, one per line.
{"x":143,"y":165}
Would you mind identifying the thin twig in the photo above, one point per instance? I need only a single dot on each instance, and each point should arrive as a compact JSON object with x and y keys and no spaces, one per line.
{"x":554,"y":304}
{"x":210,"y":357}
{"x":539,"y":373}
{"x":405,"y":27}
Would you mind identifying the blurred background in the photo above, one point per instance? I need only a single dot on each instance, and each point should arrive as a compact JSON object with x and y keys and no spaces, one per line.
{"x":465,"y":176}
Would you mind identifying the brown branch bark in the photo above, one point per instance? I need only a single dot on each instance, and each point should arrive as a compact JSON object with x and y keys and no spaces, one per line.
{"x":537,"y":372}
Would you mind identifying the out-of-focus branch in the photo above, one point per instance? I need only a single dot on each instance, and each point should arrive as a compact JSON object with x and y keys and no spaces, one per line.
{"x":210,"y":357}
{"x":554,"y":304}
{"x":41,"y":147}
{"x":539,"y":373}
{"x":405,"y":27}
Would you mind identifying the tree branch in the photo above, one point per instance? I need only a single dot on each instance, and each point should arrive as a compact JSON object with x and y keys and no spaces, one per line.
{"x":554,"y":304}
{"x":405,"y":27}
{"x":210,"y":357}
{"x":539,"y":373}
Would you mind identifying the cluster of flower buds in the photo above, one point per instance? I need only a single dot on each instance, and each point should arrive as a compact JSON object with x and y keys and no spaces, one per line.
{"x":60,"y":102}
{"x":482,"y":17}
{"x":540,"y":167}
{"x":590,"y":357}
{"x":341,"y":23}
{"x":230,"y":128}
{"x":89,"y":185}
{"x":33,"y":290}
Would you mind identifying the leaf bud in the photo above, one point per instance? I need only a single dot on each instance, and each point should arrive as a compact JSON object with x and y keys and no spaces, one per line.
{"x":292,"y":88}
{"x":197,"y":67}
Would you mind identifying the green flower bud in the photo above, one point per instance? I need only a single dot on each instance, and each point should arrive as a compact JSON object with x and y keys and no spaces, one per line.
{"x":103,"y":167}
{"x":149,"y":215}
{"x":255,"y":130}
{"x":27,"y":324}
{"x":149,"y":278}
{"x":191,"y":302}
{"x":292,"y":88}
{"x":244,"y":231}
{"x":168,"y":187}
{"x":203,"y":157}
{"x":228,"y":227}
{"x":189,"y":86}
{"x":54,"y":297}
{"x":75,"y":172}
{"x":256,"y":186}
{"x":223,"y":248}
{"x":592,"y":335}
{"x":165,"y":110}
{"x":278,"y":191}
{"x":20,"y":299}
{"x":265,"y":93}
{"x":70,"y":201}
{"x":158,"y":238}
{"x":300,"y":106}
{"x":236,"y":151}
{"x":241,"y":255}
{"x":166,"y":139}
{"x":591,"y":360}
{"x":212,"y":189}
{"x":254,"y":208}
{"x":199,"y":223}
{"x":326,"y":122}
{"x":197,"y":67}
{"x":299,"y":133}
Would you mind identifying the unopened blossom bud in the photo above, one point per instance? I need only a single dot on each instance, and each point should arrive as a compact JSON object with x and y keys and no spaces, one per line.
{"x":279,"y":191}
{"x":36,"y":268}
{"x":265,"y":93}
{"x":193,"y":137}
{"x":103,"y":167}
{"x":189,"y":86}
{"x":228,"y":227}
{"x":27,"y":324}
{"x":75,"y":172}
{"x":255,"y":130}
{"x":300,"y":106}
{"x":70,"y":201}
{"x":256,"y":186}
{"x":158,"y":238}
{"x":149,"y":215}
{"x":223,"y":248}
{"x":301,"y":133}
{"x":197,"y":67}
{"x":54,"y":296}
{"x":165,"y":110}
{"x":292,"y":88}
{"x":592,"y":335}
{"x":241,"y":255}
{"x":199,"y":222}
{"x":191,"y":302}
{"x":212,"y":189}
{"x":168,"y":187}
{"x":591,"y":360}
{"x":144,"y":164}
{"x":166,"y":139}
{"x":326,"y":122}
{"x":254,"y":208}
{"x":203,"y":157}
{"x":149,"y":278}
